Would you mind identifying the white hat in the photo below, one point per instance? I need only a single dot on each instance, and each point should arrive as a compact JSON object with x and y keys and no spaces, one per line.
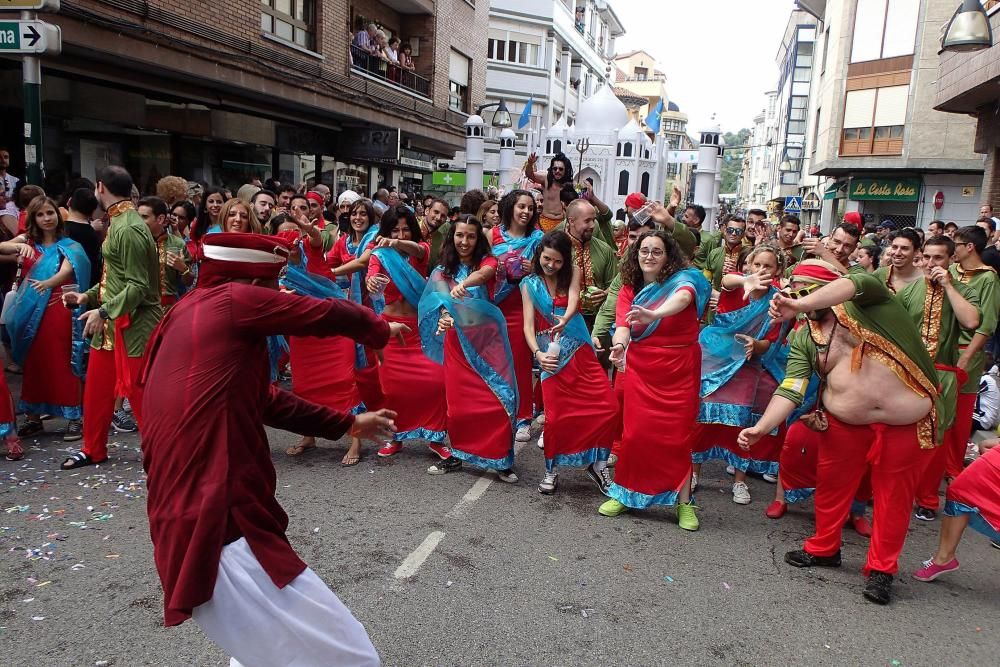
{"x":348,"y":197}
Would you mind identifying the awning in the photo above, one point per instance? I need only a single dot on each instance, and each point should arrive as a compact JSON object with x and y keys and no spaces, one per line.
{"x":835,"y":191}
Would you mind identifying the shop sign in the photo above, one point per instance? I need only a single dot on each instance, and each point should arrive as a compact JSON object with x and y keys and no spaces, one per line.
{"x":810,"y":202}
{"x":417,"y":164}
{"x":873,"y":189}
{"x":454,"y":179}
{"x":374,"y":145}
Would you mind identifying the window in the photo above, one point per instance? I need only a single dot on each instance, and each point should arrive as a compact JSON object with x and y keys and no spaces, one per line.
{"x":623,"y":182}
{"x":640,"y":73}
{"x":884,"y":29}
{"x":627,"y":152}
{"x":644,"y":183}
{"x":815,"y":140}
{"x":557,"y":146}
{"x":826,"y":49}
{"x":874,"y":120}
{"x":458,"y":82}
{"x":290,"y":20}
{"x":513,"y":47}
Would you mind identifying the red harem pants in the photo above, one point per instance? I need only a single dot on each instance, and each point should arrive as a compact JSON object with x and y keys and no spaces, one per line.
{"x":897,"y":461}
{"x":110,"y":373}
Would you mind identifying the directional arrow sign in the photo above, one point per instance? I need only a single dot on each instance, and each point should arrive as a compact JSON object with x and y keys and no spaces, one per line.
{"x":29,"y":37}
{"x":29,"y":5}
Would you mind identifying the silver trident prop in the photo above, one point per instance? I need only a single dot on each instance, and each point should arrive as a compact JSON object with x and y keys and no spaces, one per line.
{"x":582,"y":146}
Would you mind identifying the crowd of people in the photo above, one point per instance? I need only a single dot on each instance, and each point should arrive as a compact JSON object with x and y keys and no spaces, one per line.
{"x":845,"y":368}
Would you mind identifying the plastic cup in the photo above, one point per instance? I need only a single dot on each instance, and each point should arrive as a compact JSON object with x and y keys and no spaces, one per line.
{"x":70,"y":288}
{"x":642,"y":215}
{"x":382,"y":281}
{"x":553,"y":349}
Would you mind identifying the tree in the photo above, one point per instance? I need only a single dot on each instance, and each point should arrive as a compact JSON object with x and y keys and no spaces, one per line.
{"x":732,"y":159}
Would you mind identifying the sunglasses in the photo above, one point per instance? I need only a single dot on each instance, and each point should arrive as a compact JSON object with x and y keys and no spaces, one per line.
{"x":800,"y":292}
{"x":735,"y":231}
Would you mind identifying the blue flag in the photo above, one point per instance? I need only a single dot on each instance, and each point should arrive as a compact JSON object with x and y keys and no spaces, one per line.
{"x":653,"y":120}
{"x":526,"y":114}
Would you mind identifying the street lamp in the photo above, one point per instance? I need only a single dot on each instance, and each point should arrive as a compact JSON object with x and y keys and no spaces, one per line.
{"x":501,"y":117}
{"x":969,"y":29}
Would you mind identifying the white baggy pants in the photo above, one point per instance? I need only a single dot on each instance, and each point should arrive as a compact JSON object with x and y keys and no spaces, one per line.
{"x":260,"y":625}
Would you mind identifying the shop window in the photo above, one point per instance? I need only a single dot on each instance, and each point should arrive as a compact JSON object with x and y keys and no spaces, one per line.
{"x":290,"y":20}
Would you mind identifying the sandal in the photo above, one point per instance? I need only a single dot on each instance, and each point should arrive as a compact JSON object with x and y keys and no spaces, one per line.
{"x":78,"y":460}
{"x":14,"y":368}
{"x":14,"y":450}
{"x":30,"y":427}
{"x":350,"y":460}
{"x":299,"y":449}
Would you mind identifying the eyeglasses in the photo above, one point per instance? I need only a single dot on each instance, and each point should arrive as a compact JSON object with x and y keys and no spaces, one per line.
{"x":735,"y":231}
{"x":646,"y":252}
{"x":800,"y":292}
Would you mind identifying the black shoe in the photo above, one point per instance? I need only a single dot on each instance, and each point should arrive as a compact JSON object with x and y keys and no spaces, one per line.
{"x":73,"y":431}
{"x":925,"y":514}
{"x":30,"y":427}
{"x":803,"y":558}
{"x":122,"y":422}
{"x":995,"y":545}
{"x":445,"y":466}
{"x":602,"y":478}
{"x":879,"y":587}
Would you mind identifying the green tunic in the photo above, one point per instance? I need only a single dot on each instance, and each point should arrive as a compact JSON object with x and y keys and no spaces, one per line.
{"x":884,"y":329}
{"x":170,"y":278}
{"x":984,"y":283}
{"x":716,"y":262}
{"x":709,"y":242}
{"x":436,"y":240}
{"x":130,"y":283}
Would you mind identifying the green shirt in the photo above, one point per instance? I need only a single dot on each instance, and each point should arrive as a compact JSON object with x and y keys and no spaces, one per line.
{"x":983,"y":282}
{"x":170,"y":278}
{"x":436,"y":240}
{"x":130,"y":283}
{"x":709,"y":242}
{"x":883,"y":327}
{"x":716,"y":262}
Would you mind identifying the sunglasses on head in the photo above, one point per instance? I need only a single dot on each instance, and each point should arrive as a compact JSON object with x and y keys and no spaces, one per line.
{"x":800,"y":292}
{"x":735,"y":231}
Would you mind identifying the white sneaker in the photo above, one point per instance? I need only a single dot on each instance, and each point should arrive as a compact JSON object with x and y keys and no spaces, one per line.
{"x":548,"y":483}
{"x":694,"y":481}
{"x":769,"y":478}
{"x":541,"y":440}
{"x":541,"y":419}
{"x":508,"y":476}
{"x":741,"y":493}
{"x":523,"y":434}
{"x":730,"y":470}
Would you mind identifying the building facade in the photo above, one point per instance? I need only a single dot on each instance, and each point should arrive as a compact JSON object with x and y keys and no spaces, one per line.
{"x":874,"y":135}
{"x":969,"y":84}
{"x":254,"y":90}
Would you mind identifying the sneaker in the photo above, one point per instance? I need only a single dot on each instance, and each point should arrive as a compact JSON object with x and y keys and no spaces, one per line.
{"x":122,"y":422}
{"x":931,"y":570}
{"x":741,"y":493}
{"x":879,"y":587}
{"x":126,"y":405}
{"x":447,"y":465}
{"x":802,"y":558}
{"x":995,"y":545}
{"x":611,"y":508}
{"x":925,"y":514}
{"x":439,"y":449}
{"x":775,"y":510}
{"x":30,"y":427}
{"x":541,"y":419}
{"x":523,"y":433}
{"x":390,"y":449}
{"x":971,"y":453}
{"x":508,"y":476}
{"x":73,"y":431}
{"x":730,"y":470}
{"x":769,"y":478}
{"x":694,"y":482}
{"x":548,"y":483}
{"x":541,"y":440}
{"x":686,"y":518}
{"x":602,"y":478}
{"x":14,"y":450}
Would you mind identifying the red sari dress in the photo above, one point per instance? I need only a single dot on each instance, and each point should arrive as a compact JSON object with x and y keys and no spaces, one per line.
{"x":8,"y":420}
{"x":716,"y":441}
{"x":49,"y":385}
{"x":479,"y":428}
{"x":323,"y":368}
{"x":580,"y":408}
{"x":512,"y":308}
{"x":661,"y":403}
{"x":412,"y":384}
{"x":367,"y":377}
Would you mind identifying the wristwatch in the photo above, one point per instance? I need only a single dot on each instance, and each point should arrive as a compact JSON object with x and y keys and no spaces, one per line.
{"x":103,"y":313}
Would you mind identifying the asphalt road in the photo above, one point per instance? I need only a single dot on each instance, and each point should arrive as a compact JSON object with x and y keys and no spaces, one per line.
{"x":514,"y":577}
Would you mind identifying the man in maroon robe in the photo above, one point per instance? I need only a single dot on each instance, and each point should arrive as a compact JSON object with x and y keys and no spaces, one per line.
{"x":218,"y":532}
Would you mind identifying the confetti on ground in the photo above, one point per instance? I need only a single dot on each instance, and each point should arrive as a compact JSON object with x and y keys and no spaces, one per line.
{"x":553,"y":558}
{"x":669,"y":578}
{"x":113,"y":556}
{"x":315,"y":530}
{"x":38,"y":618}
{"x":586,"y":612}
{"x":896,"y":662}
{"x":566,"y":607}
{"x":726,"y":586}
{"x":627,"y":567}
{"x":44,"y":583}
{"x":448,"y":584}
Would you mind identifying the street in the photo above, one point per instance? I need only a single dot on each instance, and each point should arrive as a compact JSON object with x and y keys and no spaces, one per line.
{"x":510,"y":577}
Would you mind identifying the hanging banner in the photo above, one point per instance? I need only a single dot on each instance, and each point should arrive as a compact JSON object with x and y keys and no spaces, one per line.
{"x":682,"y":157}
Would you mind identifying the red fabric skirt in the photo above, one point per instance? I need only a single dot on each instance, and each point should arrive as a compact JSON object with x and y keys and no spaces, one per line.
{"x":413,"y":386}
{"x":478,"y":427}
{"x":661,"y":405}
{"x":618,"y":383}
{"x":798,"y":462}
{"x":580,"y":412}
{"x":367,"y":380}
{"x":48,"y":373}
{"x":7,"y":414}
{"x":978,"y":487}
{"x":718,"y":442}
{"x":512,"y":309}
{"x":323,"y":371}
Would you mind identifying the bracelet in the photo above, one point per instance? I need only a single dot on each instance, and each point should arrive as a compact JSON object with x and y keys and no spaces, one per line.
{"x":186,"y":271}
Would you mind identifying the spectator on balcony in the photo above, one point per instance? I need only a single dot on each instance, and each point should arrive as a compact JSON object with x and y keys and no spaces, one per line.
{"x":366,"y":51}
{"x":406,"y":58}
{"x":391,"y":54}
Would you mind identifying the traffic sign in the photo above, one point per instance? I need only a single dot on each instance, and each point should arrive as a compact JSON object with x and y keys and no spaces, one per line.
{"x":29,"y":37}
{"x":793,"y":204}
{"x":29,"y":5}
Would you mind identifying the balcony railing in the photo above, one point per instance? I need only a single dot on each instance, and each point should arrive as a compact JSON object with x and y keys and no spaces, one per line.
{"x":393,"y":75}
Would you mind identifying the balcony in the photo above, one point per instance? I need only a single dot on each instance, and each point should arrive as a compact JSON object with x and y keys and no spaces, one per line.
{"x":389,"y":74}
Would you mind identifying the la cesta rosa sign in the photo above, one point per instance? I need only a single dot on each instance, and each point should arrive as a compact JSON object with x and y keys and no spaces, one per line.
{"x":883,"y":190}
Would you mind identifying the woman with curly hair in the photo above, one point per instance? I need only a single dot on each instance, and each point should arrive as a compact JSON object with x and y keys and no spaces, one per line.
{"x":514,"y":241}
{"x":47,"y":340}
{"x":172,"y":189}
{"x":659,"y":306}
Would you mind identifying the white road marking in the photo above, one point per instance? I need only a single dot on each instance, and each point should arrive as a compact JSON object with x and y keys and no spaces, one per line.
{"x":417,"y":557}
{"x":472,"y":495}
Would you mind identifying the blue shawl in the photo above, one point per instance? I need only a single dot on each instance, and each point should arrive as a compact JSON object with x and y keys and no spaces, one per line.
{"x":574,"y":336}
{"x":654,"y":294}
{"x":525,"y":247}
{"x":407,"y":280}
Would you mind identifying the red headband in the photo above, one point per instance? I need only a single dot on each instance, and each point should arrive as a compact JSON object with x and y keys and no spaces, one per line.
{"x":315,"y":196}
{"x":815,"y":271}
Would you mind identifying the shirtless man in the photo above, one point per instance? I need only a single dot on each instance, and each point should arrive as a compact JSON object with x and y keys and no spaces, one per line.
{"x":559,"y":174}
{"x":898,"y":268}
{"x":880,"y":400}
